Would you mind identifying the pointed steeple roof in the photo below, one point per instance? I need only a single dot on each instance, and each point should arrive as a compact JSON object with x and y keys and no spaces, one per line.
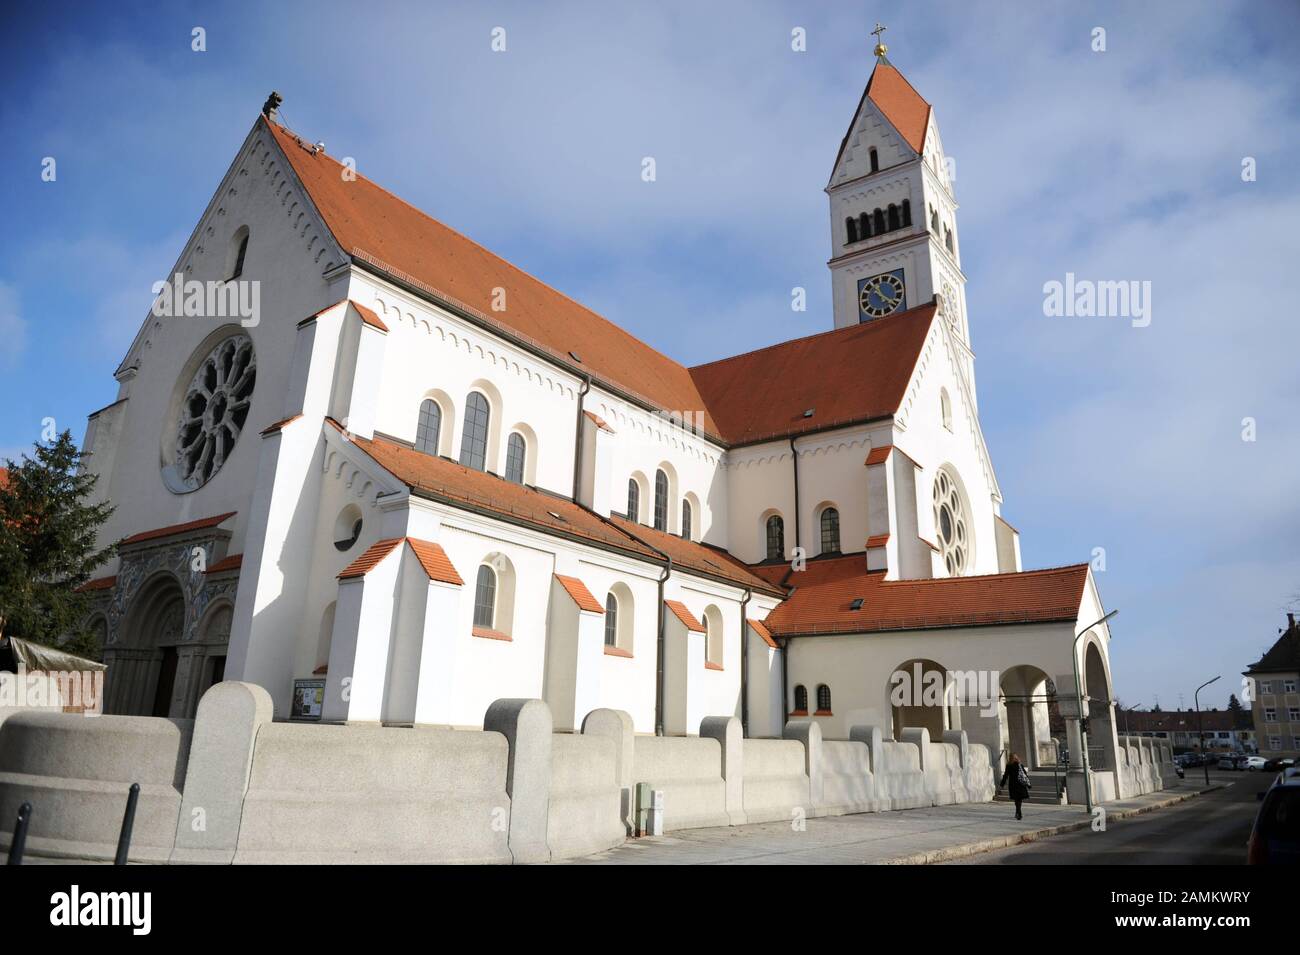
{"x":902,"y":105}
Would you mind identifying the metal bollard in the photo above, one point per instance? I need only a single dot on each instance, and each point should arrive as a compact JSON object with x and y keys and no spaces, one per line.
{"x":20,"y":834}
{"x":128,"y":823}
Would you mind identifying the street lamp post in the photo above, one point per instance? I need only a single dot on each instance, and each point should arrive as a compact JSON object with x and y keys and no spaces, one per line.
{"x":1200,"y":730}
{"x":1078,"y":697}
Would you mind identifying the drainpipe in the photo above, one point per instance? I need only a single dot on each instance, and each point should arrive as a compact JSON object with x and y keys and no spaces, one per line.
{"x":659,"y":649}
{"x":744,"y":665}
{"x":795,"y":455}
{"x":785,"y":688}
{"x":577,"y":438}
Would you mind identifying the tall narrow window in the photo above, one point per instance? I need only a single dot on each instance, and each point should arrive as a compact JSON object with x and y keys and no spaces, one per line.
{"x":801,"y":698}
{"x":893,"y":217}
{"x":875,"y":159}
{"x":661,"y":501}
{"x":934,"y":221}
{"x":686,"y":519}
{"x":485,"y":598}
{"x":864,"y":225}
{"x":947,"y":238}
{"x":823,"y":699}
{"x":611,"y":621}
{"x":428,"y":427}
{"x":238,"y":249}
{"x":775,"y":537}
{"x":515,"y":452}
{"x":907,"y":212}
{"x":830,"y":531}
{"x":879,"y":217}
{"x":473,"y":443}
{"x":633,"y":499}
{"x":851,"y":230}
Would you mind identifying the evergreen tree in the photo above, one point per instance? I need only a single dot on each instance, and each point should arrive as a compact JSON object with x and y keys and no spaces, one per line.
{"x":48,"y":527}
{"x":1234,"y":704}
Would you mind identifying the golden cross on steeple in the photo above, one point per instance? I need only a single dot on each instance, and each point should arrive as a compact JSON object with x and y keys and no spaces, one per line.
{"x":878,"y":33}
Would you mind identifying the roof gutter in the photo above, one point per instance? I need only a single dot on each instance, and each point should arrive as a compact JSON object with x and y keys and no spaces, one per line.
{"x":579,"y":430}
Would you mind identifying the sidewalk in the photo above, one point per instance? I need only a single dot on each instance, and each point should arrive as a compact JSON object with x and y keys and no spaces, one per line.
{"x":907,"y":837}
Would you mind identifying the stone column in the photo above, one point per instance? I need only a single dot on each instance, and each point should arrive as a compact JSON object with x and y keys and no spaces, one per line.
{"x":526,"y":725}
{"x":726,"y":730}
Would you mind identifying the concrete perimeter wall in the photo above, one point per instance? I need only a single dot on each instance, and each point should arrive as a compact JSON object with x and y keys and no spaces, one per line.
{"x":232,"y":786}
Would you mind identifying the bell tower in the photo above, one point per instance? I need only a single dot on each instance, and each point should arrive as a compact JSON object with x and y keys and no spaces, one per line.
{"x":893,"y":215}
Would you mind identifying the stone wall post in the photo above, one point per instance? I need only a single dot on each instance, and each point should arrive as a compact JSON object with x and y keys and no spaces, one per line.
{"x":810,"y":735}
{"x":216,"y":779}
{"x":526,"y":725}
{"x":616,"y":725}
{"x":726,"y":730}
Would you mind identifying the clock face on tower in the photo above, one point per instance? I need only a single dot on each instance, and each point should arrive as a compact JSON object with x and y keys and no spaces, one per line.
{"x":880,"y":295}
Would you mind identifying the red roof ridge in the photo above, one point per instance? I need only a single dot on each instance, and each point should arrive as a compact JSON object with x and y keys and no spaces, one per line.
{"x":195,"y":525}
{"x":684,"y":614}
{"x":437,"y":565}
{"x":861,"y":327}
{"x":370,"y":558}
{"x":580,"y":593}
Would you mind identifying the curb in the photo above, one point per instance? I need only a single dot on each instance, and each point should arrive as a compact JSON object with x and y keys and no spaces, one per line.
{"x":948,"y":853}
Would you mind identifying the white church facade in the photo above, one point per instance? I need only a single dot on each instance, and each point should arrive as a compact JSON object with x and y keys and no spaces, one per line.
{"x":420,"y":480}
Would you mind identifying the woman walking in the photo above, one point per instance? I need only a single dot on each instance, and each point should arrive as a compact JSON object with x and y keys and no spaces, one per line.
{"x":1017,"y":782}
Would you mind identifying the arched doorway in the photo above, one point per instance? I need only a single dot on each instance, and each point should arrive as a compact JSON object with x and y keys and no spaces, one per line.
{"x":1026,"y":701}
{"x":141,"y":676}
{"x":919,"y":694}
{"x":1101,"y":718}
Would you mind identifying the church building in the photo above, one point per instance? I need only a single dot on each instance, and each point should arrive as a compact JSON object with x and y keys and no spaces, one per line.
{"x":419,"y":480}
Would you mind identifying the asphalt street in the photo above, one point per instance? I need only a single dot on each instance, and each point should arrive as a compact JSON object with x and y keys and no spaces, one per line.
{"x":1209,"y":830}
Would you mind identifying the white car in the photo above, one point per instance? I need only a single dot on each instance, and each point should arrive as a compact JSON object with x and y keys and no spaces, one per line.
{"x":1254,"y":763}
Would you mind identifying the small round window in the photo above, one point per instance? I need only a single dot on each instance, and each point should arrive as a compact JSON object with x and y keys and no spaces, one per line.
{"x":212,"y":413}
{"x":347,"y":527}
{"x":950,"y":525}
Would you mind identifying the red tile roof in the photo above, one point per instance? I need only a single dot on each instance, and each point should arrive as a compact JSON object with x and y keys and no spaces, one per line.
{"x":279,"y":425}
{"x":229,"y":562}
{"x":599,"y":422}
{"x":690,"y":555}
{"x":824,"y":591}
{"x":684,"y":615}
{"x":4,"y":477}
{"x":847,"y":375}
{"x":367,"y":562}
{"x":370,"y":318}
{"x":99,"y":583}
{"x":435,"y":561}
{"x":441,"y":479}
{"x":902,"y":105}
{"x":878,"y":540}
{"x":201,"y":524}
{"x":879,"y":455}
{"x":576,"y":589}
{"x":760,"y":628}
{"x":377,"y":228}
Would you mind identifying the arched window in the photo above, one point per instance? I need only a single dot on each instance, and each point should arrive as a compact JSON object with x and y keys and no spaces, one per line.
{"x":879,"y":227}
{"x":851,"y":230}
{"x":686,"y":519}
{"x":907,"y":212}
{"x":830,"y":522}
{"x":428,"y":427}
{"x":945,"y":408}
{"x":515,"y":452}
{"x":893,"y":217}
{"x":713,"y":638}
{"x":633,"y":499}
{"x":875,"y":159}
{"x":485,"y":598}
{"x":800,"y":698}
{"x":864,"y":225}
{"x":775,"y":537}
{"x":661,"y":501}
{"x":473,"y":442}
{"x":947,"y":238}
{"x":611,"y":621}
{"x":235,"y":256}
{"x":934,"y":221}
{"x":824,"y":699}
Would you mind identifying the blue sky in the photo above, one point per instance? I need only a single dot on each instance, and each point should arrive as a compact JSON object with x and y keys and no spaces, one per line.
{"x":1116,"y":165}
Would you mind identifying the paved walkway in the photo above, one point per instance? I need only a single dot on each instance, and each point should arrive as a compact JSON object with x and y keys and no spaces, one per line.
{"x":912,"y":836}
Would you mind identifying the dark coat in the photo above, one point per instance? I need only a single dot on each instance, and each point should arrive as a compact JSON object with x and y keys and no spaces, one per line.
{"x":1011,"y":779}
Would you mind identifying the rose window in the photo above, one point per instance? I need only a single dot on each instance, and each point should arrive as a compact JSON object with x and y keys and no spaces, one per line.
{"x":950,"y":525}
{"x":213,"y":411}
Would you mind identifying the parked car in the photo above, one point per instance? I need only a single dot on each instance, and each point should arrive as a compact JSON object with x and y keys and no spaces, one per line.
{"x":1256,"y":763}
{"x":1226,"y":762}
{"x":1275,"y":838}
